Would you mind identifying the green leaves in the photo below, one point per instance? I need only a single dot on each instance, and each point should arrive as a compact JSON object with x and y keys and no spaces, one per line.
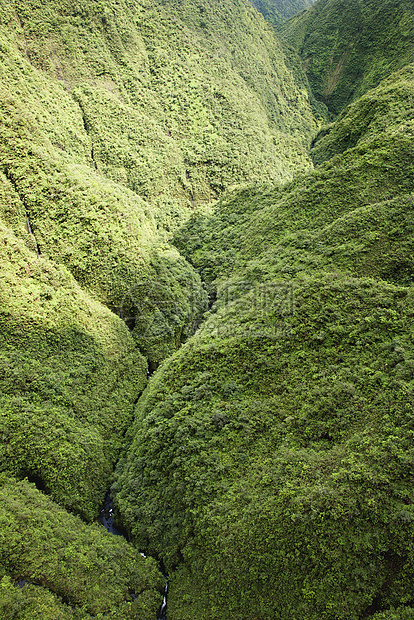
{"x":93,"y":572}
{"x":293,"y":444}
{"x":272,"y":452}
{"x":292,"y":474}
{"x":347,"y":50}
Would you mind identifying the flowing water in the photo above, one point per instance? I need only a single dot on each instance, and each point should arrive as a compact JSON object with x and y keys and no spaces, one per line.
{"x":107,"y":520}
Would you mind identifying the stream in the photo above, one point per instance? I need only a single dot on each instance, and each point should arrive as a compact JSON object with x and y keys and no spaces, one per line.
{"x":107,"y":519}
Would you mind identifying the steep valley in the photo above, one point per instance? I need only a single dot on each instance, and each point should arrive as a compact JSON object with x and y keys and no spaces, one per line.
{"x":188,"y":193}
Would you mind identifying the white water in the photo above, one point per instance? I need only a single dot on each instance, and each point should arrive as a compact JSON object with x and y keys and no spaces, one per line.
{"x":107,"y":520}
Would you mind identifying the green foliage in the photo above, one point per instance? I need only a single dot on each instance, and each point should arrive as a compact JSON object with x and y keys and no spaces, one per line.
{"x":75,"y":571}
{"x":401,"y":613}
{"x":68,"y":369}
{"x":170,"y":107}
{"x":31,"y":602}
{"x":166,"y":308}
{"x":269,"y":464}
{"x":119,"y":117}
{"x":103,"y":105}
{"x":353,"y":213}
{"x":106,"y":236}
{"x":277,"y":11}
{"x":386,"y":109}
{"x":273,"y":453}
{"x":349,"y":47}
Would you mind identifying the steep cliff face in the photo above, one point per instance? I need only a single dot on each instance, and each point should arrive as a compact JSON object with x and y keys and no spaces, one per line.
{"x":349,"y":47}
{"x":118,"y":121}
{"x":278,"y":11}
{"x":178,"y":101}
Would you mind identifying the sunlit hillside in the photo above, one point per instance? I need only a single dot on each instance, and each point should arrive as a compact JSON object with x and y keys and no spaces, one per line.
{"x":206,"y":307}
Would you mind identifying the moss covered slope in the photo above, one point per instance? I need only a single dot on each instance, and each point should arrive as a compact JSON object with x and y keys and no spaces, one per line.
{"x":273,"y":453}
{"x":278,"y":11}
{"x":353,"y":212}
{"x":283,"y":428}
{"x":178,"y":101}
{"x":92,"y":573}
{"x":70,"y":372}
{"x":269,"y":461}
{"x":349,"y":47}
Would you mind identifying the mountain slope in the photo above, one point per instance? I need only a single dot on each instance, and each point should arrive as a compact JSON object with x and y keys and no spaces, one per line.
{"x":273,"y":453}
{"x":291,"y":231}
{"x":91,"y":573}
{"x":268,"y":463}
{"x":278,"y":11}
{"x":67,"y":364}
{"x":173,"y":108}
{"x":283,"y":428}
{"x":349,"y":47}
{"x":117,"y":120}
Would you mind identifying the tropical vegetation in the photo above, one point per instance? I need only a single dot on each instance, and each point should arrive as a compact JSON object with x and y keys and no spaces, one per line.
{"x":188,"y":195}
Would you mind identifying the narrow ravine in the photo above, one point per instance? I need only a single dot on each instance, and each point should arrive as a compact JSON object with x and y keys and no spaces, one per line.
{"x":106,"y":517}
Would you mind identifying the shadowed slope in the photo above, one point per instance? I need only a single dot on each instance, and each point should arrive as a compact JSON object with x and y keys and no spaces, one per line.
{"x":348,"y":47}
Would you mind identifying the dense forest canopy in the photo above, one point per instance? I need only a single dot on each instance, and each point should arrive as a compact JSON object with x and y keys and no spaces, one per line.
{"x":348,"y":47}
{"x":188,"y":193}
{"x":278,"y":11}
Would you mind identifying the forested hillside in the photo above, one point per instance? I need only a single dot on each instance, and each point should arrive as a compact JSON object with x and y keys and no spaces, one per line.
{"x":117,"y":121}
{"x":174,"y":202}
{"x":283,"y":428}
{"x":349,"y":46}
{"x":278,"y":11}
{"x":278,"y":440}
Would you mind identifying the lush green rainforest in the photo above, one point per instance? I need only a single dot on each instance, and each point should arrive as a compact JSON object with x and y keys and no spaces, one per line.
{"x":349,"y":47}
{"x":173,"y":197}
{"x":278,"y":11}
